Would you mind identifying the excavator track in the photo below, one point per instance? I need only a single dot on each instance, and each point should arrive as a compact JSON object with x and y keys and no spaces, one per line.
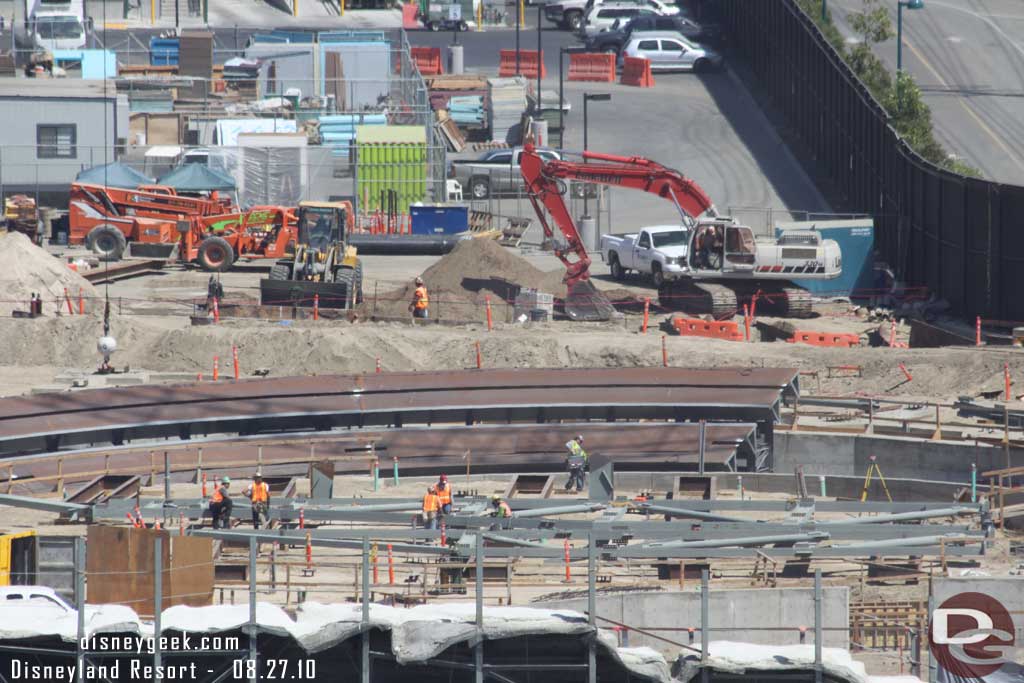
{"x":720,"y":299}
{"x":778,"y":299}
{"x":698,"y":298}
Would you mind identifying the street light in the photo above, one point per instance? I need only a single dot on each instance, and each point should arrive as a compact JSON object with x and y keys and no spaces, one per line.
{"x":909,"y":4}
{"x":588,"y":97}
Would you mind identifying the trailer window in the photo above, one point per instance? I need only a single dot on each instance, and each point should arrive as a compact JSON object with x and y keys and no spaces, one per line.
{"x":56,"y":141}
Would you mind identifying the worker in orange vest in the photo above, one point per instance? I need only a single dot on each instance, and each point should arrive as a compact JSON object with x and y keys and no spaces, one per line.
{"x":259,"y":495}
{"x":431,"y":506}
{"x":220,"y":505}
{"x":444,"y":494}
{"x":420,"y":301}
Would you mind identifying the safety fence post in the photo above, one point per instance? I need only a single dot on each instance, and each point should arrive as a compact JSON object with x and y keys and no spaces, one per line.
{"x":216,"y":369}
{"x":365,"y":621}
{"x":664,"y":352}
{"x":234,"y":359}
{"x":647,"y":312}
{"x":391,"y":566}
{"x":490,"y":321}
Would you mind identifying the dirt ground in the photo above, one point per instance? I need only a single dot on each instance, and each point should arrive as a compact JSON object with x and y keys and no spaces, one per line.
{"x":35,"y":349}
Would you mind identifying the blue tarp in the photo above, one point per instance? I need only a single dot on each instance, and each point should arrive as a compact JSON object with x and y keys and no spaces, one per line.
{"x":114,"y":175}
{"x":197,"y":178}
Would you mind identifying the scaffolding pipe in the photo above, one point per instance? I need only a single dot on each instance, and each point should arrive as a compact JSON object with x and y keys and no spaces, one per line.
{"x":812,"y":536}
{"x":692,"y":514}
{"x":560,"y":510}
{"x":909,"y":516}
{"x":899,"y":542}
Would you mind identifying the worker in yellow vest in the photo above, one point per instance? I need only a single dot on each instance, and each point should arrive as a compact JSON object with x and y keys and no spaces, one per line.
{"x":431,"y":506}
{"x":259,"y":495}
{"x":420,"y":301}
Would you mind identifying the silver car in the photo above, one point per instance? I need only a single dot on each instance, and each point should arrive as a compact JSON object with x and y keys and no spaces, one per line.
{"x":670,"y":51}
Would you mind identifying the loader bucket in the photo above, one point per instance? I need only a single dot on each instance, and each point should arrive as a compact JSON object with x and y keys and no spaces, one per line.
{"x":585,"y":303}
{"x":301,"y":293}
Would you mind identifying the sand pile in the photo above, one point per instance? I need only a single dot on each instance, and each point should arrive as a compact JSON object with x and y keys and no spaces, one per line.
{"x":460,"y":282}
{"x":26,"y":268}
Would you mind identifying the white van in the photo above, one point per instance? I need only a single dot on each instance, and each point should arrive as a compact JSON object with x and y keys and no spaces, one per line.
{"x":58,"y":24}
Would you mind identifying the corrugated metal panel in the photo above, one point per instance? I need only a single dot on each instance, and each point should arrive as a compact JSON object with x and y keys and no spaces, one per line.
{"x":55,"y":564}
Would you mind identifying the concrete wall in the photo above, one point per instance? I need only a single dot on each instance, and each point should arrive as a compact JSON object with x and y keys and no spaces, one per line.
{"x":768,"y":616}
{"x":897,"y":457}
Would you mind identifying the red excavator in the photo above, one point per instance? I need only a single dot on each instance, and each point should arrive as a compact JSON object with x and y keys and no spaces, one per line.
{"x":719,"y":259}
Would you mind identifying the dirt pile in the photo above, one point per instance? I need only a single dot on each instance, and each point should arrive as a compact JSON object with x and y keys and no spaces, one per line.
{"x":461,"y":281}
{"x":26,"y":269}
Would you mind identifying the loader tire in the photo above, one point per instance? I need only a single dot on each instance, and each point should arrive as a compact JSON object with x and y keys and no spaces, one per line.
{"x":107,"y":242}
{"x":280,"y":271}
{"x":215,"y":255}
{"x":358,"y":283}
{"x":347,"y":276}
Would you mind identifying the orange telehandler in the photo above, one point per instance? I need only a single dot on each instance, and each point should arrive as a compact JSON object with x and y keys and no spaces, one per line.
{"x":160,"y":223}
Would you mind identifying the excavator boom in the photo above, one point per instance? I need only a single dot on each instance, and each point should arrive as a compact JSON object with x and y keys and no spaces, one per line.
{"x":546,"y":187}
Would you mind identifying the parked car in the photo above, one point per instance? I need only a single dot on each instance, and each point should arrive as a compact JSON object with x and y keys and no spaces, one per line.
{"x":569,"y":14}
{"x":670,"y":51}
{"x":659,"y":251}
{"x":495,"y":172}
{"x":613,"y":40}
{"x":602,"y":17}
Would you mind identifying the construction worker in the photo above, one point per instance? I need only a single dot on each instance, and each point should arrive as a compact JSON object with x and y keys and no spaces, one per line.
{"x":431,"y":506}
{"x":259,"y":495}
{"x":576,"y":463}
{"x":444,"y":494}
{"x":420,"y":301}
{"x":501,"y":508}
{"x":220,"y":505}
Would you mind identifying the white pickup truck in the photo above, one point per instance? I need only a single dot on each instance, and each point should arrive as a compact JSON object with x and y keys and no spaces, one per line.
{"x":657,"y":250}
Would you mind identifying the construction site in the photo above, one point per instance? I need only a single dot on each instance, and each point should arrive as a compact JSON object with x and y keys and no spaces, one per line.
{"x":415,"y":377}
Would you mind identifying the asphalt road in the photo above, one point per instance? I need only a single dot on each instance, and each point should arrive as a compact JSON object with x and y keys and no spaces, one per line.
{"x":968,"y":58}
{"x":706,"y":126}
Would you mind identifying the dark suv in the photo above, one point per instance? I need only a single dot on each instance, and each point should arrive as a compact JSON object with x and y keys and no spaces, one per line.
{"x":616,"y":39}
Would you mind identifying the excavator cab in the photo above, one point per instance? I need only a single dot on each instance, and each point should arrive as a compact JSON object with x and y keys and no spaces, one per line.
{"x":324,"y":270}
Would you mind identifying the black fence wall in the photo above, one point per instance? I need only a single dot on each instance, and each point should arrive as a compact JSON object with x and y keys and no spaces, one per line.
{"x":962,"y":238}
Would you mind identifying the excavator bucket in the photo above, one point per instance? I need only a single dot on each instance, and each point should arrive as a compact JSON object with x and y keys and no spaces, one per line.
{"x":585,"y":303}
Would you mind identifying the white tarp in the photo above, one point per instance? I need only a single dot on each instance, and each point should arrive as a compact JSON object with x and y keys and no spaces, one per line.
{"x":417,"y":634}
{"x":229,"y":129}
{"x":747,"y":658}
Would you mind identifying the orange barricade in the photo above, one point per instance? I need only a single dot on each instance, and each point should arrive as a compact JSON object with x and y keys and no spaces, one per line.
{"x":596,"y":67}
{"x":637,"y":71}
{"x":824,"y":339}
{"x":695,"y":327}
{"x":428,"y":59}
{"x":528,"y":60}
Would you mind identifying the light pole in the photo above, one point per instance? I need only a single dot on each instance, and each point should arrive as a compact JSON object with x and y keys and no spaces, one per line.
{"x":587,"y":97}
{"x":909,"y":4}
{"x":561,"y":88}
{"x":540,"y":59}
